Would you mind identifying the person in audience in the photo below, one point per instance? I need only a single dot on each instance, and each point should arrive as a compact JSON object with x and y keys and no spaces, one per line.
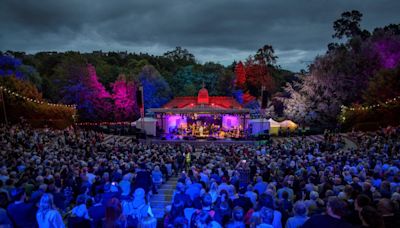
{"x":47,"y":215}
{"x":114,"y":216}
{"x":148,"y":222}
{"x":370,"y":217}
{"x":243,"y":201}
{"x":386,"y":209}
{"x":300,"y":215}
{"x":22,"y":212}
{"x":80,"y":209}
{"x":97,"y":212}
{"x":237,"y":218}
{"x":335,"y":210}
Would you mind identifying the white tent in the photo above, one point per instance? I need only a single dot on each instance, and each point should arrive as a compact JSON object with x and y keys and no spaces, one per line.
{"x":273,"y":127}
{"x":258,"y":126}
{"x":288,"y":124}
{"x":149,"y":125}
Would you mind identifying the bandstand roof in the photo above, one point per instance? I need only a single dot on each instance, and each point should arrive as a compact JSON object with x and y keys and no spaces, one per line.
{"x":202,"y":104}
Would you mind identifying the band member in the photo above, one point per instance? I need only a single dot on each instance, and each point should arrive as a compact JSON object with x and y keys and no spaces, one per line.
{"x":193,"y":129}
{"x":201,"y":129}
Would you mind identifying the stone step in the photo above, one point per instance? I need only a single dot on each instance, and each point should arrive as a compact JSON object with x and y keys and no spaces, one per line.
{"x":161,"y":197}
{"x":159,"y":205}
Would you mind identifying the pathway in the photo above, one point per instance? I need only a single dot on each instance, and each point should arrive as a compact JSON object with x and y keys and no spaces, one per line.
{"x":159,"y":201}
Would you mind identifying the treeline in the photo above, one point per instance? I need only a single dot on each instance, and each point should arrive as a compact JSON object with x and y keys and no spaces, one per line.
{"x":103,"y":84}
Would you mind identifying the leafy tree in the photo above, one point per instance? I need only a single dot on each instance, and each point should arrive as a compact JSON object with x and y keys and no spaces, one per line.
{"x":124,"y":95}
{"x":349,"y":25}
{"x":258,"y":76}
{"x":383,"y":86}
{"x":266,"y":55}
{"x":180,"y":56}
{"x":240,"y":75}
{"x":155,"y":89}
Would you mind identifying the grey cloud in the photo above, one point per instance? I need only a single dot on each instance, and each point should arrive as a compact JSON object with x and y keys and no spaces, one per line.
{"x":222,"y":30}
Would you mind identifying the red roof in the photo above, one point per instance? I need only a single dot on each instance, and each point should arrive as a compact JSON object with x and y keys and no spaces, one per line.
{"x":191,"y":102}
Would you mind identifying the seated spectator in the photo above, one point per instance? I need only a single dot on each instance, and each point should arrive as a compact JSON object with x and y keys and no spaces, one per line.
{"x":181,"y":195}
{"x":223,"y":213}
{"x":5,"y":221}
{"x":260,"y":186}
{"x":47,"y":215}
{"x":335,"y":210}
{"x":125,"y":185}
{"x":21,"y":213}
{"x":136,"y":209}
{"x":300,"y":215}
{"x":213,"y":191}
{"x":359,"y":203}
{"x":251,"y":194}
{"x":371,"y":218}
{"x":386,"y":208}
{"x":237,"y":218}
{"x":177,"y":210}
{"x":97,"y":212}
{"x":114,"y":217}
{"x":80,"y":209}
{"x":268,"y":202}
{"x":243,"y":201}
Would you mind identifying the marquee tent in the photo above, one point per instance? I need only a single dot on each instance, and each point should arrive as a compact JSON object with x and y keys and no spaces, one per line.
{"x":273,"y":127}
{"x":288,"y":124}
{"x":258,"y":126}
{"x":149,"y":125}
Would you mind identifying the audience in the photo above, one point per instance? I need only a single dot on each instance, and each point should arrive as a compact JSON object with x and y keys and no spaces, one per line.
{"x":109,"y":184}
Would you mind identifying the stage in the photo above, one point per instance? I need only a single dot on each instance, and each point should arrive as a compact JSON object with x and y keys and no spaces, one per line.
{"x":200,"y":142}
{"x":202,"y":117}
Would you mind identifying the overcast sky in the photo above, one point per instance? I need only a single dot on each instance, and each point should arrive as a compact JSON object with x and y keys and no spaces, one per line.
{"x":213,"y":30}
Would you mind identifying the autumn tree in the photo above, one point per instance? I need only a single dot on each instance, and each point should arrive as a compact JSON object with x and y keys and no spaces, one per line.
{"x":124,"y":96}
{"x":240,"y":75}
{"x":258,"y":76}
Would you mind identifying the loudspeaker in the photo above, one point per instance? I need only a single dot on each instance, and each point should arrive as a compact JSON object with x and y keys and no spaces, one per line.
{"x":139,"y":98}
{"x":264,"y":102}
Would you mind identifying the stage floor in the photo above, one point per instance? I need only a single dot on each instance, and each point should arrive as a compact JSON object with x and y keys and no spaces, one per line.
{"x":199,"y":141}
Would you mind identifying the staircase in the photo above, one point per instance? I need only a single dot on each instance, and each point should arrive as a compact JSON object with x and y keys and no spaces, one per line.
{"x":159,"y":201}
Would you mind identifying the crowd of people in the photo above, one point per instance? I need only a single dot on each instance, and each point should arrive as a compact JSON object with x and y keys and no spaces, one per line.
{"x":71,"y":177}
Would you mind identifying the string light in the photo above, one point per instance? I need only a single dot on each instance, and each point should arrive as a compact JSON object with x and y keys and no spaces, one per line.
{"x":369,"y":107}
{"x":102,"y":123}
{"x":15,"y":94}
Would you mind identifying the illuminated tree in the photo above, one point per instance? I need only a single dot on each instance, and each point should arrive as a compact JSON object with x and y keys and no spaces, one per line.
{"x":240,"y":75}
{"x":124,"y":95}
{"x":156,"y":90}
{"x":257,"y":76}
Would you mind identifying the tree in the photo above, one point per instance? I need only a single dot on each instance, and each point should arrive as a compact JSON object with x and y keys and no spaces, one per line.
{"x":383,"y":86}
{"x":124,"y":95}
{"x":240,"y":75}
{"x":180,"y":56}
{"x":97,"y":94}
{"x":266,"y":55}
{"x":258,"y":76}
{"x":349,"y":25}
{"x":155,"y":89}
